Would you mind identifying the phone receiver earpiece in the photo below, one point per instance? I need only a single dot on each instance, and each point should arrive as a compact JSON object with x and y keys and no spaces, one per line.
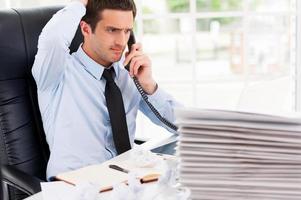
{"x":131,"y":41}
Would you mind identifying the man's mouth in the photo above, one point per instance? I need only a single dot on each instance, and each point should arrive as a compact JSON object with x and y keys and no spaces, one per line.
{"x":117,"y":51}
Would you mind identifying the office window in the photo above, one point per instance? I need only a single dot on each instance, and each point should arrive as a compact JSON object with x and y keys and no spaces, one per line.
{"x":235,"y":54}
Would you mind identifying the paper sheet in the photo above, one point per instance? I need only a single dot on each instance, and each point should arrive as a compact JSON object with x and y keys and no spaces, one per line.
{"x":57,"y":190}
{"x":239,"y":155}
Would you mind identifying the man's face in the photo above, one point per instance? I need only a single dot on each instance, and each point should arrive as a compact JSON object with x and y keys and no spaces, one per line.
{"x":110,"y":36}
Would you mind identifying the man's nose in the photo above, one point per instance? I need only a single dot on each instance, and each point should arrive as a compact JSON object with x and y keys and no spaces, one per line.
{"x":122,"y":38}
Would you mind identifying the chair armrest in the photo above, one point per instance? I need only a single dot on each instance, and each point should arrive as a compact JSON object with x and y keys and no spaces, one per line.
{"x":20,"y":180}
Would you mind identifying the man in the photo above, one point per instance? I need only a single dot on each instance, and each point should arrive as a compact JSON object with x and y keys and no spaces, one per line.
{"x":72,"y":89}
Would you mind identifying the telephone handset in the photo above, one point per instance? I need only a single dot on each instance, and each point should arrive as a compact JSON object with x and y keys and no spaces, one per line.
{"x":131,"y":41}
{"x":143,"y":94}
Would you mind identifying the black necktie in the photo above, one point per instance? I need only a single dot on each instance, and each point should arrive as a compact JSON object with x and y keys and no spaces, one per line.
{"x":116,"y":112}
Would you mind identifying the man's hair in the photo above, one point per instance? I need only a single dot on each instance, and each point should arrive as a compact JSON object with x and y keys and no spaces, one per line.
{"x":94,"y":9}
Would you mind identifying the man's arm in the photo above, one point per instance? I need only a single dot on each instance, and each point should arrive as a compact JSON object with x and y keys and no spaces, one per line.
{"x":53,"y":46}
{"x":164,"y":103}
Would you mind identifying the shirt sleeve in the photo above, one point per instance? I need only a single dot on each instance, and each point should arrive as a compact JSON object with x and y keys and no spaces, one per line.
{"x":164,"y":103}
{"x":53,"y":45}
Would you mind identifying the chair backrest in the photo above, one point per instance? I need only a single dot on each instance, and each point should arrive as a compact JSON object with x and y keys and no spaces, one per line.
{"x":22,"y":139}
{"x":1,"y":190}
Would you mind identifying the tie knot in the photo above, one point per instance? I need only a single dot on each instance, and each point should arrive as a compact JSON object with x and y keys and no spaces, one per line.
{"x":108,"y":74}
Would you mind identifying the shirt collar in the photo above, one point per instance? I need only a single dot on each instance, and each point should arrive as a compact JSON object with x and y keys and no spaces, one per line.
{"x":93,"y":67}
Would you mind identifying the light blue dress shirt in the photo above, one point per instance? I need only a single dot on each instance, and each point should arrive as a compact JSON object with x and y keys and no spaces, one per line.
{"x":72,"y":102}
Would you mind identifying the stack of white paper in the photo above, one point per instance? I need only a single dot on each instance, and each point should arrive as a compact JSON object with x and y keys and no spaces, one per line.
{"x":239,"y":155}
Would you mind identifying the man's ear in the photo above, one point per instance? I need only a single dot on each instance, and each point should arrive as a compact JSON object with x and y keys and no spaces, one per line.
{"x":85,"y":28}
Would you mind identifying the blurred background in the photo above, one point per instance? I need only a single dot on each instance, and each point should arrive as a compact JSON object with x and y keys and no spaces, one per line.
{"x":228,"y":54}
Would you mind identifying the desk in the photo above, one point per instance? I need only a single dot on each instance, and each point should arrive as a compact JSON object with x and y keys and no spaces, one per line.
{"x":37,"y":196}
{"x":119,"y":158}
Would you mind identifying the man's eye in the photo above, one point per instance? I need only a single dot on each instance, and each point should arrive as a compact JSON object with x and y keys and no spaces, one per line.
{"x":111,"y":30}
{"x":127,"y":31}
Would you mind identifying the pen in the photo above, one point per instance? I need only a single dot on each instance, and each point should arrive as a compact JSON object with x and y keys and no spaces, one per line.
{"x":116,"y":167}
{"x":146,"y":179}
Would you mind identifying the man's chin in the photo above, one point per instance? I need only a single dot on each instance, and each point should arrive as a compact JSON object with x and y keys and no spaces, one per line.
{"x":116,"y":58}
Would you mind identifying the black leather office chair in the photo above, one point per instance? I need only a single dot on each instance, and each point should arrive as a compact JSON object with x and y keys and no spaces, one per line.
{"x":1,"y":191}
{"x":23,"y":150}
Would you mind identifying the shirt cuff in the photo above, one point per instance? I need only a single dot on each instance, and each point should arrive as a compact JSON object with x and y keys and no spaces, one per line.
{"x":158,"y":98}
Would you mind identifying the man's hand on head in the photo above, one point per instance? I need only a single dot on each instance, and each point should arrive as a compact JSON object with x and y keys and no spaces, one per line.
{"x":85,"y":2}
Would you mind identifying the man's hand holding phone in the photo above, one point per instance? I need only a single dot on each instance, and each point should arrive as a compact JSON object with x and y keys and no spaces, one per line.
{"x":140,"y":67}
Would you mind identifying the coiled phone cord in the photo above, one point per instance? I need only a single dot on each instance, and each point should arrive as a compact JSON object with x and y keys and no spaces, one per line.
{"x":153,"y":109}
{"x":132,"y":41}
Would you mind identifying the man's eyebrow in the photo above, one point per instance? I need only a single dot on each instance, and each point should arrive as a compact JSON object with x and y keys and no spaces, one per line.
{"x":118,"y":29}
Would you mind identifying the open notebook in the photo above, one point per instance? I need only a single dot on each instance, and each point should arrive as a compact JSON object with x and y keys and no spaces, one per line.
{"x":106,"y":177}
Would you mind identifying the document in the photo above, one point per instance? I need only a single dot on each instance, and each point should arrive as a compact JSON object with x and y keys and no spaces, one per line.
{"x":56,"y":190}
{"x":105,"y":177}
{"x":228,"y":154}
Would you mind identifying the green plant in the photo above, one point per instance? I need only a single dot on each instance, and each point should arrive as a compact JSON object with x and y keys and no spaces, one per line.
{"x":178,"y":5}
{"x":218,"y":5}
